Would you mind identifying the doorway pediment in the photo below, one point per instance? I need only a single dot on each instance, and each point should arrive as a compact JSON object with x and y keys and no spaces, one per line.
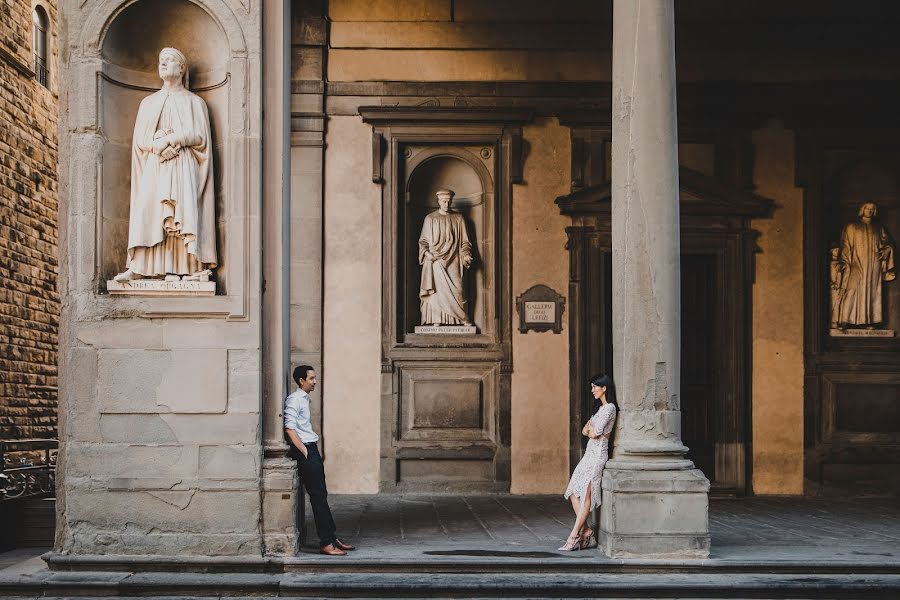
{"x":700,"y":195}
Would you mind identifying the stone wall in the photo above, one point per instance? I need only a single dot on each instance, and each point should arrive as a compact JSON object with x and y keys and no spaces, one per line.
{"x":351,"y":384}
{"x":160,"y":396}
{"x":29,"y":302}
{"x":778,"y":320}
{"x":540,"y":379}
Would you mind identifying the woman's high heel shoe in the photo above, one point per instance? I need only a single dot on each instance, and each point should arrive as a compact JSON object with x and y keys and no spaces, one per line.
{"x":586,"y":536}
{"x":573,"y":542}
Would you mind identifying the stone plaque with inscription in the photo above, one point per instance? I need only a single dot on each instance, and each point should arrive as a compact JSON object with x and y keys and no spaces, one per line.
{"x":446,"y":329}
{"x":540,"y":309}
{"x":158,"y":287}
{"x":862,"y":333}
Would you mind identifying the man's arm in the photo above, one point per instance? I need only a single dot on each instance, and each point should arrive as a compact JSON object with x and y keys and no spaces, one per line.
{"x":291,"y":415}
{"x":295,"y":440}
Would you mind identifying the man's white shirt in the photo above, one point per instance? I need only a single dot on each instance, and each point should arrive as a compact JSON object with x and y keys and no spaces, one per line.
{"x":297,"y":416}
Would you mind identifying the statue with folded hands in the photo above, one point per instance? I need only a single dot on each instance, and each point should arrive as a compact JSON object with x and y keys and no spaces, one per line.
{"x":171,"y":229}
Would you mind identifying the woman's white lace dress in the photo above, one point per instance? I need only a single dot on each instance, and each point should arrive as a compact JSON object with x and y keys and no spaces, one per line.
{"x":590,"y":468}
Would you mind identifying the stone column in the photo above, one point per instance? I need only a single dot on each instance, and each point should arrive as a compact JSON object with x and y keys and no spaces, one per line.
{"x":279,"y":480}
{"x":655,"y":502}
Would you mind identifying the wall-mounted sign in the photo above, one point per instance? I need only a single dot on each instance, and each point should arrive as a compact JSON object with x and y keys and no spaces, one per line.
{"x":540,"y":309}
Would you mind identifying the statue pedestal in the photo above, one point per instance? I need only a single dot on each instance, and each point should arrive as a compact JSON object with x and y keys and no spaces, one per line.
{"x":157,"y":287}
{"x":446,"y":329}
{"x":869,"y":333}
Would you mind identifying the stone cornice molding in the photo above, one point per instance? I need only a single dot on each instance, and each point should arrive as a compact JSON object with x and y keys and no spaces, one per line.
{"x":418,"y":115}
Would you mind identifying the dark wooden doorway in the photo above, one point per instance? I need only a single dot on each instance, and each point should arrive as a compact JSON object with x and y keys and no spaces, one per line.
{"x":717,"y":275}
{"x":700,"y":347}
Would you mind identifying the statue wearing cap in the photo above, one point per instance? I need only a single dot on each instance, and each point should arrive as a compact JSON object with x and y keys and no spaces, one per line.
{"x":171,"y":229}
{"x":444,"y":253}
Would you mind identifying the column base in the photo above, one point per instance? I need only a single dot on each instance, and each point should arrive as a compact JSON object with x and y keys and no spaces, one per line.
{"x":654,"y":514}
{"x":279,"y":514}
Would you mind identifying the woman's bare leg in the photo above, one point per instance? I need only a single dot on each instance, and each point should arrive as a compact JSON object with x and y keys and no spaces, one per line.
{"x":582,"y":514}
{"x":576,"y":504}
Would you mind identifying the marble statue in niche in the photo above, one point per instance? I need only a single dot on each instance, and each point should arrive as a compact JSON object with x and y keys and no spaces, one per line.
{"x":171,"y":229}
{"x":864,"y":260}
{"x":445,"y":253}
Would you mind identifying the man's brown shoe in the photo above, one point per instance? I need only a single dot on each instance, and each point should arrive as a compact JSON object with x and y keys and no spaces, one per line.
{"x":331,"y":550}
{"x":339,"y":543}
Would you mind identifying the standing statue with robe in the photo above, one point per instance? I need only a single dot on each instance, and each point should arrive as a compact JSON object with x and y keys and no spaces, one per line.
{"x":867,"y":255}
{"x":444,"y":253}
{"x":172,"y":228}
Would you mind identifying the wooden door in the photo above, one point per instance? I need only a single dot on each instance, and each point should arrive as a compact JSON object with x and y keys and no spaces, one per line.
{"x":699,"y":352}
{"x":700,"y":349}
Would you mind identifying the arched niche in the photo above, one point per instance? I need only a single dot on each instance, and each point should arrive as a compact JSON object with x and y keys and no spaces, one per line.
{"x":460,"y":170}
{"x":129,"y":52}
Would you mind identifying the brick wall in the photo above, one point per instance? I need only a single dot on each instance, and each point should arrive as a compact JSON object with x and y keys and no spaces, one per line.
{"x":29,"y":301}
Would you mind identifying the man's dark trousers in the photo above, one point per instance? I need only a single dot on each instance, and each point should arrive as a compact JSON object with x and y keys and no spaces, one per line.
{"x":312,"y":472}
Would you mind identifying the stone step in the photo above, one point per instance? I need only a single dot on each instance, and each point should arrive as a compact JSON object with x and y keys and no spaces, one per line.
{"x":447,"y":585}
{"x":451,"y":561}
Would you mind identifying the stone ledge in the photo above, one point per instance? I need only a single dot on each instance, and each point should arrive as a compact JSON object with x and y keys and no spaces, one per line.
{"x":419,"y":563}
{"x":157,"y":287}
{"x":413,"y":584}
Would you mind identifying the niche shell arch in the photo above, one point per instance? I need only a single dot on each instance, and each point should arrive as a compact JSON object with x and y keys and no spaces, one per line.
{"x":104,"y":15}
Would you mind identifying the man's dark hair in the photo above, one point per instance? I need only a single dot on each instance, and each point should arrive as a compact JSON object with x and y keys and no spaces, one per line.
{"x":301,"y":372}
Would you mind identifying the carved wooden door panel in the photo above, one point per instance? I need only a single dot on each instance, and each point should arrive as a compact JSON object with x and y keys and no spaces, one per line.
{"x":699,"y":350}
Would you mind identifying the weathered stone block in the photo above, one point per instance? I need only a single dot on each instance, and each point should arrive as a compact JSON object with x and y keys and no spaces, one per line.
{"x":208,"y":512}
{"x":108,"y":461}
{"x":243,"y":381}
{"x":136,"y":429}
{"x":229,"y":462}
{"x":163,"y":381}
{"x":128,"y":333}
{"x":231,"y":429}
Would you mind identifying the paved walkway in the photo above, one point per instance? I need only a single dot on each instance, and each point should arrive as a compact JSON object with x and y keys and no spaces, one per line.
{"x":853,"y":534}
{"x":765,"y":530}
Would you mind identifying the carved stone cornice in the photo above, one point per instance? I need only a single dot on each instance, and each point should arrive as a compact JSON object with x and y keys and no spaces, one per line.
{"x":418,"y":115}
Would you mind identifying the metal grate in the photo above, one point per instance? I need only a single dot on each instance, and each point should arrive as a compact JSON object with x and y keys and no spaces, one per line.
{"x":41,"y":73}
{"x":28,"y":468}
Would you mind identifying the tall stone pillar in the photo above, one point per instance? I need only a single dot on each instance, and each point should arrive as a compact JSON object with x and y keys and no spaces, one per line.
{"x":279,"y":478}
{"x":655,"y":502}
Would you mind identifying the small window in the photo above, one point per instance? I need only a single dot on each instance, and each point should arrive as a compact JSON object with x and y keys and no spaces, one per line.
{"x":40,"y":27}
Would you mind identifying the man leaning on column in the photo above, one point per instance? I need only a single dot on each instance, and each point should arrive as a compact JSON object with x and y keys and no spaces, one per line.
{"x":304,"y":450}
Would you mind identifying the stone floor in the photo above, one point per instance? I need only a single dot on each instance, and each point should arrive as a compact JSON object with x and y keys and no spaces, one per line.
{"x":505,"y":546}
{"x":764,"y":530}
{"x":525,"y":529}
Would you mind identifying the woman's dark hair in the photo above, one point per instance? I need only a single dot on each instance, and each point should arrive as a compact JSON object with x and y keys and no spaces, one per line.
{"x":600,"y":380}
{"x":604,"y":380}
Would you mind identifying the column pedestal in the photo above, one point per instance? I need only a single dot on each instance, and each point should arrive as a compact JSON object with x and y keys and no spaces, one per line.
{"x":654,"y":514}
{"x":279,"y":483}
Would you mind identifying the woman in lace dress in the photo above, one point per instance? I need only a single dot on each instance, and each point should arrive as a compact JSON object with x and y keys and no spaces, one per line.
{"x":584,"y":487}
